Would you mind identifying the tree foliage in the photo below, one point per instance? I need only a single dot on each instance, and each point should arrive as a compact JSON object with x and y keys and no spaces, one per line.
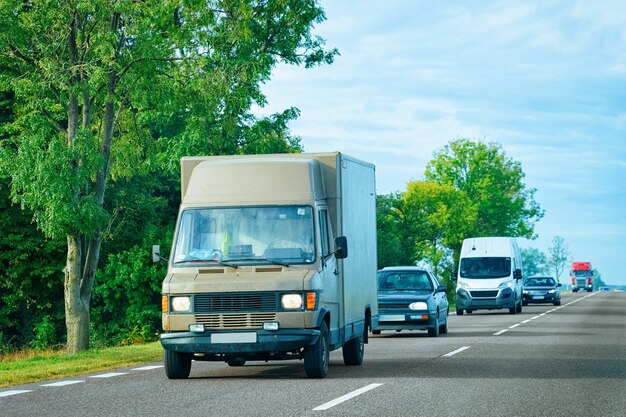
{"x":493,"y":184}
{"x":106,"y":90}
{"x":558,"y":256}
{"x":534,"y":262}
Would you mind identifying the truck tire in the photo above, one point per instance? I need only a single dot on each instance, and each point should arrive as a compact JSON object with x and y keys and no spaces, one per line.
{"x":177,"y":364}
{"x":353,"y":350}
{"x":316,"y":356}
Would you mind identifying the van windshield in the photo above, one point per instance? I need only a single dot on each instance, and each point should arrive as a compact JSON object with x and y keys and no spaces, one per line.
{"x":238,"y":235}
{"x":487,"y":267}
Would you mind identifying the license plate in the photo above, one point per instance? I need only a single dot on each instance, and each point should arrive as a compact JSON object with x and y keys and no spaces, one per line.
{"x":392,"y":317}
{"x":248,"y":337}
{"x":538,"y":297}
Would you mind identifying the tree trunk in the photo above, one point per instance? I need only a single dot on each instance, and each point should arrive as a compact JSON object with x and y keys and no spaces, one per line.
{"x":76,"y":307}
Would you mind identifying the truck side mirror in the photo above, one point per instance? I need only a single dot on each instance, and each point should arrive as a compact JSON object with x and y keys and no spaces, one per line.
{"x":517,"y":274}
{"x":342,"y":247}
{"x":156,"y":253}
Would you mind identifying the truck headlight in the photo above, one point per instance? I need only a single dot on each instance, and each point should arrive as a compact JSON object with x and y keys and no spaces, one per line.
{"x":419,"y":305}
{"x":291,"y":301}
{"x":506,"y":285}
{"x":181,"y":304}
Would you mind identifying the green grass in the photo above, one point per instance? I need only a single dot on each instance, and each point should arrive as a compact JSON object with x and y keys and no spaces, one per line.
{"x":43,"y":366}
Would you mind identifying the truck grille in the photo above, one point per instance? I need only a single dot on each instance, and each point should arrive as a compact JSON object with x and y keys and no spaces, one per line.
{"x":484,"y":294}
{"x":239,"y":302}
{"x":235,"y":321}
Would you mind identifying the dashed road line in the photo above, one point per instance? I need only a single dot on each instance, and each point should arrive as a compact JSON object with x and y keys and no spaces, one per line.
{"x":147,"y":368}
{"x":346,"y":397}
{"x":109,"y":375}
{"x":500,"y":332}
{"x":454,"y":352}
{"x":61,"y":383}
{"x":14,"y":392}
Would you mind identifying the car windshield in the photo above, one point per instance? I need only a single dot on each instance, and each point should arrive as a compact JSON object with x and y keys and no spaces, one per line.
{"x":487,"y":267}
{"x":245,"y":235}
{"x":412,"y":280}
{"x":539,"y":282}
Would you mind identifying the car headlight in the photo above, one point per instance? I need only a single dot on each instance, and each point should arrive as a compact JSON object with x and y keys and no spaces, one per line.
{"x":181,"y":304}
{"x":418,"y":305}
{"x":291,"y":301}
{"x":506,"y":285}
{"x":552,"y":291}
{"x":525,"y":291}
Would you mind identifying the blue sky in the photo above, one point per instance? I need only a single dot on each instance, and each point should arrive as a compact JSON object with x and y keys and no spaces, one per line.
{"x":546,"y":79}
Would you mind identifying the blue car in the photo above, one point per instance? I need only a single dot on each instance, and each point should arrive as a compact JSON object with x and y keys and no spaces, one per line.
{"x":411,"y":298}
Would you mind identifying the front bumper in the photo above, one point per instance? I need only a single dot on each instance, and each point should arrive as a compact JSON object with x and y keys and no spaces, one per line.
{"x":267,"y":344}
{"x":539,"y":298}
{"x":405,"y":320}
{"x":503,"y":299}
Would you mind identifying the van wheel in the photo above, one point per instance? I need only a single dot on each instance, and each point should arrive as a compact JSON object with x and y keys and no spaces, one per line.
{"x":177,"y":364}
{"x":353,"y":350}
{"x":316,"y":356}
{"x":459,"y":311}
{"x":375,"y":331}
{"x":434,"y":331}
{"x":519,"y":307}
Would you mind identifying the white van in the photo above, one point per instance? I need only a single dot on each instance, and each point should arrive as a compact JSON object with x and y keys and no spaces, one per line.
{"x":490,"y":275}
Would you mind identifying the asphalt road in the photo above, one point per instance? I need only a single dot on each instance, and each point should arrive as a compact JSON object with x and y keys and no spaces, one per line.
{"x":547,"y":361}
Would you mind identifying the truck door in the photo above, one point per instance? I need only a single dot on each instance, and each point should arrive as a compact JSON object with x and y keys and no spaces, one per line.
{"x":331,"y":281}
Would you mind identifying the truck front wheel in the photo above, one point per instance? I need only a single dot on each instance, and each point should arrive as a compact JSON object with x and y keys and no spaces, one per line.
{"x":177,"y":364}
{"x":316,"y":356}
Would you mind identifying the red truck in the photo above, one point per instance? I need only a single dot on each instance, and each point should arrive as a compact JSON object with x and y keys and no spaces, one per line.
{"x":582,"y":275}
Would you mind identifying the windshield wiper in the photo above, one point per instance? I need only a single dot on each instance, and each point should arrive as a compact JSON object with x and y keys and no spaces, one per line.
{"x":260,"y":259}
{"x":206,"y":261}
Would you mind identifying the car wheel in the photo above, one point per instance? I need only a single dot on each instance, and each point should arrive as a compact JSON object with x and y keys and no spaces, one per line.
{"x":459,"y":311}
{"x":434,"y":331}
{"x":353,"y":350}
{"x":375,"y":331}
{"x":557,"y":303}
{"x":524,"y":303}
{"x":443,"y":329}
{"x":470,"y":311}
{"x":177,"y":364}
{"x":236,"y":362}
{"x":316,"y":355}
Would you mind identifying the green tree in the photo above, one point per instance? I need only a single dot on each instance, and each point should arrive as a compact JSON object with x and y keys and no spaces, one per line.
{"x":493,"y":184}
{"x":96,"y":81}
{"x":393,"y":235}
{"x":437,"y":218}
{"x":558,"y":256}
{"x":534,"y":262}
{"x":597,"y":280}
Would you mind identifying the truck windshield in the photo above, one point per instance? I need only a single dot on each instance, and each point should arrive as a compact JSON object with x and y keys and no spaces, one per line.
{"x":485,"y":267}
{"x":582,"y":273}
{"x":245,"y":235}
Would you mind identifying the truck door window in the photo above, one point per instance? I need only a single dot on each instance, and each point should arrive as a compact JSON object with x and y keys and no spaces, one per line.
{"x":324,"y":238}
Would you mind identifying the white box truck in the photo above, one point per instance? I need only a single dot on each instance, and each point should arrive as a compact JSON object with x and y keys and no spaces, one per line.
{"x":260,"y":267}
{"x":490,"y":275}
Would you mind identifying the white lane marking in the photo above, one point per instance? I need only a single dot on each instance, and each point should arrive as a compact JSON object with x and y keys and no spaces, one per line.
{"x":147,"y":368}
{"x":109,"y":375}
{"x":346,"y":397}
{"x":454,"y":352}
{"x":500,"y":332}
{"x":542,"y":314}
{"x":533,"y":318}
{"x":526,"y":321}
{"x":14,"y":392}
{"x":515,"y":325}
{"x":61,"y":383}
